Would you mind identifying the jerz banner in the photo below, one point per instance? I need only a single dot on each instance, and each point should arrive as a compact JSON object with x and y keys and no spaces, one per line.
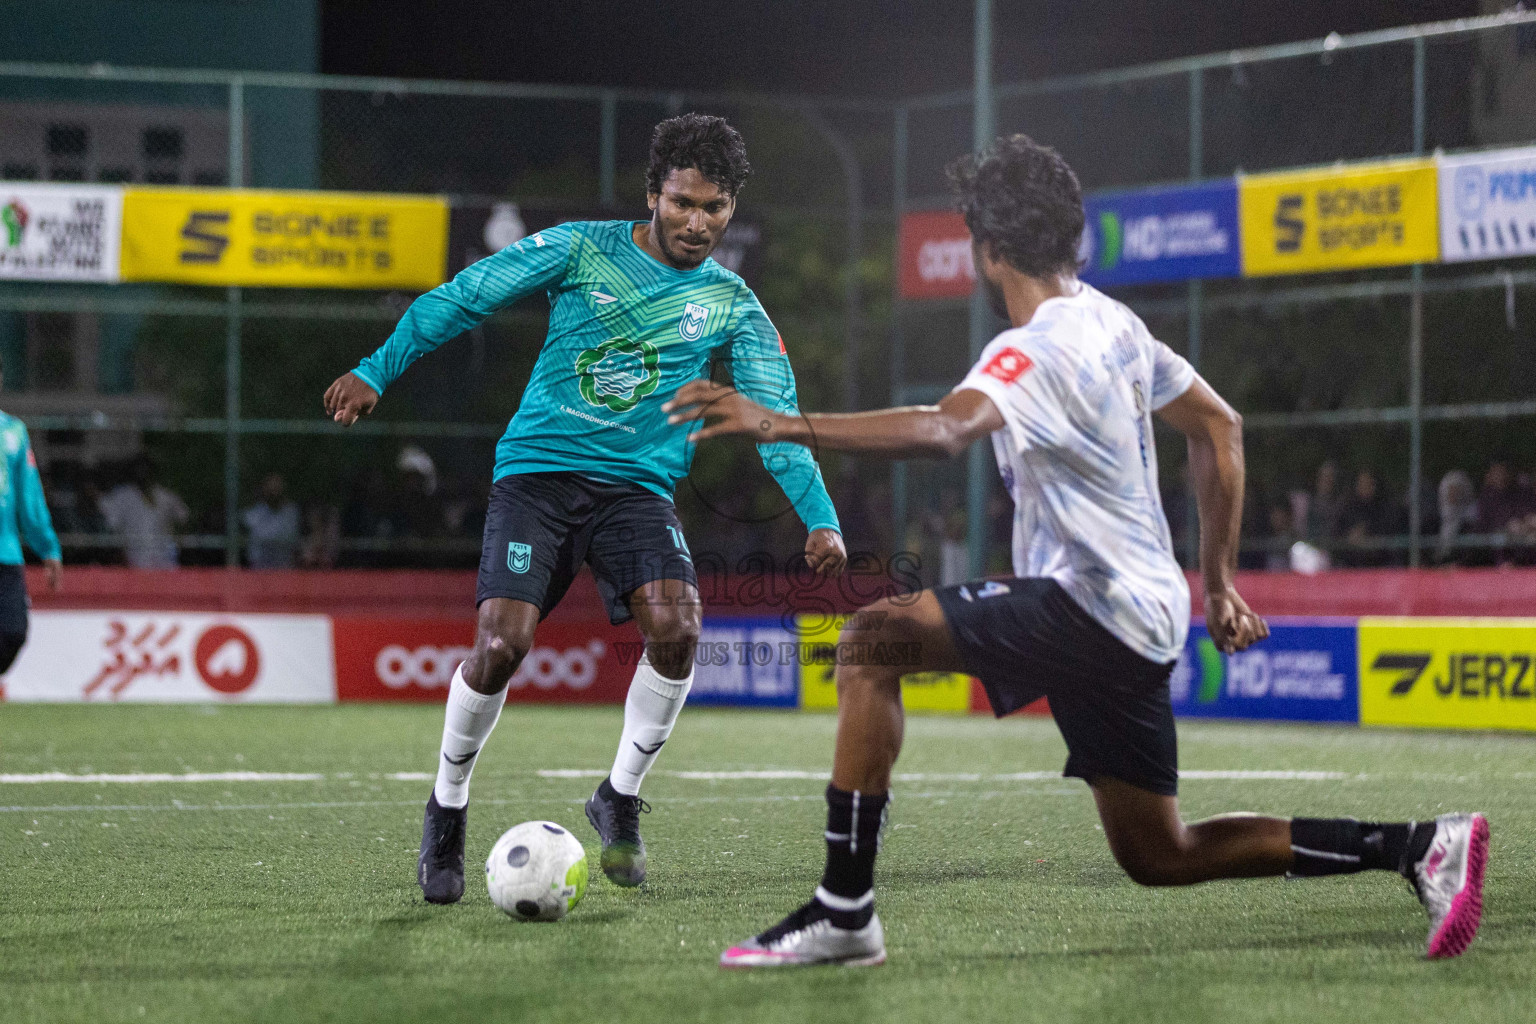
{"x":1488,"y":205}
{"x":1163,"y":234}
{"x":1305,"y":671}
{"x":1363,"y":215}
{"x":59,"y":232}
{"x":1448,"y":673}
{"x":478,"y":229}
{"x":283,"y":239}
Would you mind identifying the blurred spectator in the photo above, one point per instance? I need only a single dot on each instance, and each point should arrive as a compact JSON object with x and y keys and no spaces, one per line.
{"x":146,"y":516}
{"x":322,"y":537}
{"x":273,"y":526}
{"x":1457,"y":501}
{"x":463,"y":508}
{"x":76,"y":505}
{"x":1326,"y":506}
{"x":1367,"y":516}
{"x":1500,"y":503}
{"x":1281,"y":536}
{"x":420,"y":514}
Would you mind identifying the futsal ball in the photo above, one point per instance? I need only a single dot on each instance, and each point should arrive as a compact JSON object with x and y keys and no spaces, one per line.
{"x":537,"y":871}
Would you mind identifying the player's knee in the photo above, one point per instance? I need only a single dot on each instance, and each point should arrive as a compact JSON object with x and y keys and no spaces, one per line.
{"x":500,"y":647}
{"x":1149,"y":861}
{"x":671,"y":640}
{"x":875,"y":648}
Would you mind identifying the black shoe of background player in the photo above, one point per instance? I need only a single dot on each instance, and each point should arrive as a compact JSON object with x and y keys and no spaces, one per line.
{"x":617,"y":820}
{"x":440,"y":871}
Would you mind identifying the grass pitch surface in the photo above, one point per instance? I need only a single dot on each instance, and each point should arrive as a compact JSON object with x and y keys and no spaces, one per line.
{"x":294,"y":900}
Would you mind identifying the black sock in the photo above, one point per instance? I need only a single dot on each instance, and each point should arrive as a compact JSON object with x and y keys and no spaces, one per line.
{"x":1342,"y":846}
{"x":854,"y":823}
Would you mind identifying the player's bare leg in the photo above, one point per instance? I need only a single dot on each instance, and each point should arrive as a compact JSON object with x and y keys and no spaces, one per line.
{"x":503,"y":636}
{"x":669,"y":615}
{"x":879,"y":645}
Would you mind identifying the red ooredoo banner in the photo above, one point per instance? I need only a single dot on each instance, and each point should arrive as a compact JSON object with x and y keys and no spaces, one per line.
{"x":936,"y":260}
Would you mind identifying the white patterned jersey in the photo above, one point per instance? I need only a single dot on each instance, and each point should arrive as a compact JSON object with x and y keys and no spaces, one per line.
{"x":1076,"y":387}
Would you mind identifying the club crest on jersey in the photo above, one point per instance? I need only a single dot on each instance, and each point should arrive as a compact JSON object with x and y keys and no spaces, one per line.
{"x":692,"y":327}
{"x":618,"y":373}
{"x":519,"y":556}
{"x":1008,"y":365}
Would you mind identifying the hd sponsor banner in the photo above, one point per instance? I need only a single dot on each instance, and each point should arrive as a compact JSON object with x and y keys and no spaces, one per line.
{"x":1488,"y":205}
{"x":414,"y":660}
{"x":1448,"y":673}
{"x":1162,"y":234}
{"x":283,"y":239}
{"x":172,"y":657}
{"x":59,"y":232}
{"x":1304,"y":671}
{"x":476,"y":230}
{"x":824,"y":644}
{"x":934,"y":250}
{"x":1366,"y":215}
{"x":746,"y":662}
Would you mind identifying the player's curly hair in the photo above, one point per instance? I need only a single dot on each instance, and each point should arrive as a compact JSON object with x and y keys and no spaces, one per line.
{"x":701,"y":141}
{"x":1023,"y":200}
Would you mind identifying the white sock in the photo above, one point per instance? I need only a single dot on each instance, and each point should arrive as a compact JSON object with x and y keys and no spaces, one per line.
{"x":650,"y":711}
{"x":467,"y":723}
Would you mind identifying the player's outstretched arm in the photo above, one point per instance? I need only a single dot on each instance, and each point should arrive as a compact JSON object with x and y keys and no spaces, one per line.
{"x":1215,"y":434}
{"x":935,"y":431}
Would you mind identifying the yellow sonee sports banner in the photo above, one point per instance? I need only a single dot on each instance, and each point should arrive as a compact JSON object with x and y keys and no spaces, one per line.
{"x":1448,"y":673}
{"x":284,"y":239}
{"x":943,"y":692}
{"x":1366,"y":215}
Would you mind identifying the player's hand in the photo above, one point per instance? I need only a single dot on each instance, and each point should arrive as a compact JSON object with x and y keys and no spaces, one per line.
{"x":348,"y":398}
{"x":1232,"y":624}
{"x":55,"y":571}
{"x":727,"y":410}
{"x":825,"y":553}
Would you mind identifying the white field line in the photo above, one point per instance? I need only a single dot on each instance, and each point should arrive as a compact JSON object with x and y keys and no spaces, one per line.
{"x":775,"y":774}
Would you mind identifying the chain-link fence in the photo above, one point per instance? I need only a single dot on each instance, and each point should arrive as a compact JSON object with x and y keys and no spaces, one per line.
{"x":1368,"y":370}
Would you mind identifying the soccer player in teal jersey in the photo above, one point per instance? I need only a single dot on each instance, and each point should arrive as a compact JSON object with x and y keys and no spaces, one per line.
{"x":586,"y":470}
{"x":23,"y":519}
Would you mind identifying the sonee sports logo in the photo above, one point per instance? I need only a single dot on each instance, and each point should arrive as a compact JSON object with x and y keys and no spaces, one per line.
{"x":206,"y":234}
{"x":1008,"y":365}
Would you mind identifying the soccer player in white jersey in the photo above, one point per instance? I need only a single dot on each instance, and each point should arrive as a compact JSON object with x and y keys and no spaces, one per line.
{"x":1097,"y":610}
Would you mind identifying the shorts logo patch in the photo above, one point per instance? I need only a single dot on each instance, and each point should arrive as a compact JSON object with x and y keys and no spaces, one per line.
{"x":1008,"y":365}
{"x":618,"y":373}
{"x":519,"y":557}
{"x":992,"y":588}
{"x":692,"y":326}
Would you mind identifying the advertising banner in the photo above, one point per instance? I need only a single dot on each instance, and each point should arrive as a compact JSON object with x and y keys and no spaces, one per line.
{"x":414,"y":660}
{"x":476,"y":230}
{"x":821,"y":648}
{"x":283,"y":239}
{"x":746,"y":662}
{"x":59,"y":232}
{"x":935,"y":256}
{"x":1488,"y":205}
{"x":174,"y":657}
{"x":1162,"y":234}
{"x":1448,"y":673}
{"x":1366,"y":215}
{"x":1305,"y":671}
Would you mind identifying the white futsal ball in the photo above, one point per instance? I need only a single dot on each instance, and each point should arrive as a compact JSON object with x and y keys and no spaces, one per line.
{"x":537,"y":871}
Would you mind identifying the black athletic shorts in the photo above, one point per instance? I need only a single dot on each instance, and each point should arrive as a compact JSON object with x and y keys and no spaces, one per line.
{"x":541,"y":527}
{"x":13,"y":601}
{"x":1026,"y":638}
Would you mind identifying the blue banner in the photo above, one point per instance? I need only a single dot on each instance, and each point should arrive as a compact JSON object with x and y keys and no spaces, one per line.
{"x":746,"y":662}
{"x":1306,"y":671}
{"x":1161,"y":234}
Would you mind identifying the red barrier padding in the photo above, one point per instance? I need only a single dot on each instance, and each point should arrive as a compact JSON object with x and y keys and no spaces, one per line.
{"x":1353,"y":592}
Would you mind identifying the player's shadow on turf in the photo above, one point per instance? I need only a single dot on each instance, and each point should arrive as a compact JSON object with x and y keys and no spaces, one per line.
{"x":1385,"y":939}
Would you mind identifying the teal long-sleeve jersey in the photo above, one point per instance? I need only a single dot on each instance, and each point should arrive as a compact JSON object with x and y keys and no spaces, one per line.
{"x":625,"y":332}
{"x":23,"y":511}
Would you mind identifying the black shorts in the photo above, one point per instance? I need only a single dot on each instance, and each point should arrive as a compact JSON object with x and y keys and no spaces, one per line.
{"x":541,"y":527}
{"x":13,"y":601}
{"x":1026,"y":639}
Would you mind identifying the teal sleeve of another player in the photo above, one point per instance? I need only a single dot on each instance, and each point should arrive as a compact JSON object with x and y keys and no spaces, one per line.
{"x":762,"y":373}
{"x":496,"y":282}
{"x":31,"y":508}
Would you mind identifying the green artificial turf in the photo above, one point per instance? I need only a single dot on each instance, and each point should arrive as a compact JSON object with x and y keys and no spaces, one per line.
{"x":295,"y":901}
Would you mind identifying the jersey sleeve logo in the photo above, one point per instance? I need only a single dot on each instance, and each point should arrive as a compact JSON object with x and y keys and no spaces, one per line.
{"x":1008,"y":365}
{"x":692,"y":326}
{"x":782,"y":350}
